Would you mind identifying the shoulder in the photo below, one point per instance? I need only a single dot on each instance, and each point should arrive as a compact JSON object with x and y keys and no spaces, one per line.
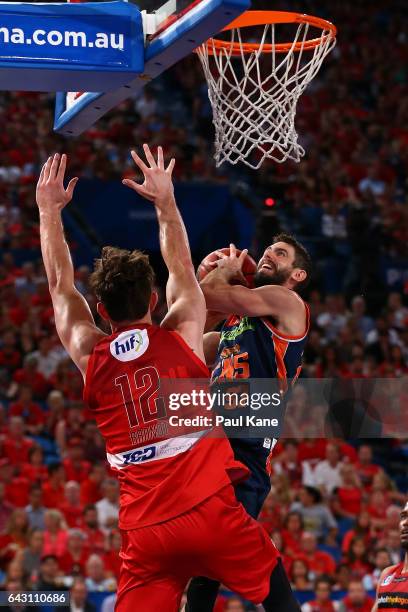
{"x":388,"y":571}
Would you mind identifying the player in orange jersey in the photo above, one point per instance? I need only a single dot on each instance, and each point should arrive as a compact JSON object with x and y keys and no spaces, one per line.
{"x":178,"y":513}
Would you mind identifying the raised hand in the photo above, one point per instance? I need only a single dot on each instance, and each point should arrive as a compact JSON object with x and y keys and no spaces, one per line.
{"x":231,"y":265}
{"x":51,"y":194}
{"x":158,"y":185}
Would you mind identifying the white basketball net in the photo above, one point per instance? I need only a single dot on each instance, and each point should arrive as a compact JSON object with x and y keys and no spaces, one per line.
{"x":254,"y":95}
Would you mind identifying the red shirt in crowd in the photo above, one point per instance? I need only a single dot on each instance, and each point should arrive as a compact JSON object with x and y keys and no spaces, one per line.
{"x":17,"y":491}
{"x":72,"y":514}
{"x":35,"y":380}
{"x":52,"y":496}
{"x":112,"y":563}
{"x":31,"y":413}
{"x":17,"y":450}
{"x":366,"y":473}
{"x":71,"y":565}
{"x":90,"y":491}
{"x":327,"y":606}
{"x":96,"y":540}
{"x":34,"y":473}
{"x":350,"y":499}
{"x":367,"y":606}
{"x":319,"y":562}
{"x":77,"y":472}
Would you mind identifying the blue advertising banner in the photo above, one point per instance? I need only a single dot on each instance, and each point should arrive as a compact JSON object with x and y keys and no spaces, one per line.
{"x":92,"y":46}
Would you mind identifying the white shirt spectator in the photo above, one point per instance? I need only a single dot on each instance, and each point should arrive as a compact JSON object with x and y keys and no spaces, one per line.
{"x":108,"y":604}
{"x":327,"y":476}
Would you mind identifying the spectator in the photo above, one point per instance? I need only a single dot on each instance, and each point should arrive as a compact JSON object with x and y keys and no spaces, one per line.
{"x":322,"y":602}
{"x":35,"y":470}
{"x":49,"y":571}
{"x":361,"y":528}
{"x":348,"y":497}
{"x":6,"y":508}
{"x":79,"y":601}
{"x":71,"y":506}
{"x":317,"y":517}
{"x":333,"y":318}
{"x":91,"y":487}
{"x":55,"y":534}
{"x":108,"y":507}
{"x":363,"y":323}
{"x":342,"y":577}
{"x":53,"y":490}
{"x":326,"y":475}
{"x":31,"y":559}
{"x":356,"y":599}
{"x":382,"y":559}
{"x":111,"y":558}
{"x":47,"y":356}
{"x":56,"y":407}
{"x":357,"y":557}
{"x":299,"y":576}
{"x":35,"y":509}
{"x":96,"y":579}
{"x":31,"y":412}
{"x":319,"y":561}
{"x":96,"y":537}
{"x":372,"y":184}
{"x":365,"y":468}
{"x":16,"y":445}
{"x":393,"y":545}
{"x":74,"y":465}
{"x":292,"y":533}
{"x":30,"y":376}
{"x":73,"y":561}
{"x":15,"y":536}
{"x":16,"y":486}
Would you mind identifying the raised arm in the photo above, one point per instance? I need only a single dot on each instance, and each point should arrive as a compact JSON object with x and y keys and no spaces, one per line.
{"x":73,"y":318}
{"x":270,"y":300}
{"x":185,"y":301}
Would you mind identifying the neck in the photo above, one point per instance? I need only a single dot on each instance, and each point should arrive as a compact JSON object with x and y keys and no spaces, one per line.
{"x":405,"y":566}
{"x":146,"y":320}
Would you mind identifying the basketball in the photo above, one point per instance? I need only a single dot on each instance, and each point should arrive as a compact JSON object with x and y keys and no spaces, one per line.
{"x":248,"y":269}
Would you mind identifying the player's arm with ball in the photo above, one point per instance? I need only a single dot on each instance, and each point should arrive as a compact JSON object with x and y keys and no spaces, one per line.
{"x":185,"y":300}
{"x":73,"y":318}
{"x":225,"y":291}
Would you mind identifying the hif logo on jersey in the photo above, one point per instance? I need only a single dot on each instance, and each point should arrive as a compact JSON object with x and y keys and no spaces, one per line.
{"x":387,"y":580}
{"x":130,"y":345}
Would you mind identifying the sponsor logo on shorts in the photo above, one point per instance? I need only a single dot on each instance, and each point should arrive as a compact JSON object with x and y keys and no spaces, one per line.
{"x":139,"y":455}
{"x":130,"y":345}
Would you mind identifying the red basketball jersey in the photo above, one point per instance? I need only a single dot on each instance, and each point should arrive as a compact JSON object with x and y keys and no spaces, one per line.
{"x":164,"y":477}
{"x":393,"y":590}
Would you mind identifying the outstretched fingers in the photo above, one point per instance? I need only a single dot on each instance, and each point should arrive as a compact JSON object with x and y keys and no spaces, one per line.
{"x":139,"y":162}
{"x":171,"y":165}
{"x":62,"y":167}
{"x":54,"y":166}
{"x":242,"y":256}
{"x":135,"y":186}
{"x":149,"y":156}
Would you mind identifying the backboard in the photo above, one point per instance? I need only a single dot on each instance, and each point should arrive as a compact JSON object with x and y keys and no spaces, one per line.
{"x":172,"y":31}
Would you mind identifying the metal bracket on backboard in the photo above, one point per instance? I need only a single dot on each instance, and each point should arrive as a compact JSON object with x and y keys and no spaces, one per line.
{"x":76,"y":113}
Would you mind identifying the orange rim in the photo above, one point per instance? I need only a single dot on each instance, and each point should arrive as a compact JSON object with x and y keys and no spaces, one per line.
{"x":256,"y":18}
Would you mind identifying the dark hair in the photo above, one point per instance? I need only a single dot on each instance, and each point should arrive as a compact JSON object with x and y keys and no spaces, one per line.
{"x":48,"y":557}
{"x":123,"y":280}
{"x":314,"y":493}
{"x":323,"y":579}
{"x":302,"y":258}
{"x":54,"y":467}
{"x":88,"y":507}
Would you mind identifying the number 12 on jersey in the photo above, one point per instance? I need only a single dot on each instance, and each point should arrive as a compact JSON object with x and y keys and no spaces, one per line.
{"x":140,"y":396}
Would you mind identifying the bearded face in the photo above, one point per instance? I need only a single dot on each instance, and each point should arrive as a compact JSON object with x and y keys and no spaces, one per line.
{"x":276,"y":265}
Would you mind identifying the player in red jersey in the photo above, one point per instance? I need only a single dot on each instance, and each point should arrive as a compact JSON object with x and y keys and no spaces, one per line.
{"x":178,"y":513}
{"x":392,"y":587}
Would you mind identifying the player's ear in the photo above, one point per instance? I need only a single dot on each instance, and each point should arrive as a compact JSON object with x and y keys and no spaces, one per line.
{"x":101,"y":310}
{"x":299,"y":275}
{"x":153,"y":301}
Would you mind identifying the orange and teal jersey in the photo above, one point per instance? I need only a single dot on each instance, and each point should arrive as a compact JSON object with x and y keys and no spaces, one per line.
{"x":253,"y":348}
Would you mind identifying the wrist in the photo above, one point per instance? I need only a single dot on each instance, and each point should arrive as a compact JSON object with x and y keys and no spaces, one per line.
{"x":50,"y":213}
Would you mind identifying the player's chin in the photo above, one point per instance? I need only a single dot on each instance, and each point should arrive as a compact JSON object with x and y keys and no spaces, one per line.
{"x":263,"y":277}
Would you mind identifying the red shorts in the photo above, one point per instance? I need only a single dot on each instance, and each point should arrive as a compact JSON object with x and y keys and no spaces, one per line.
{"x":217,"y":539}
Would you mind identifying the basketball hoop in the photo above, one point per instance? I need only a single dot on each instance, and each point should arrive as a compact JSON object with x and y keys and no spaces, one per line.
{"x":254,"y":87}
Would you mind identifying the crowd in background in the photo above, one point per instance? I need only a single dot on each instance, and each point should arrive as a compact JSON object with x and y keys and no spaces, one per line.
{"x":334,"y":507}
